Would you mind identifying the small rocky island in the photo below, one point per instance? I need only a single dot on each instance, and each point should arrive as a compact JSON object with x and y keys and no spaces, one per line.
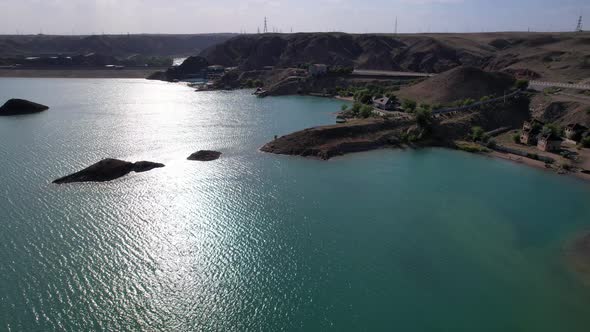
{"x":21,"y":106}
{"x":205,"y":155}
{"x":108,"y":170}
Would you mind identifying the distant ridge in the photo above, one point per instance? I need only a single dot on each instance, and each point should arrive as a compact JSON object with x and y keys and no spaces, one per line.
{"x":112,"y":45}
{"x":558,"y":56}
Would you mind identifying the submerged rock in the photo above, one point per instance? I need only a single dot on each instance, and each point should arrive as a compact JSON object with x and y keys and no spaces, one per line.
{"x":205,"y":155}
{"x":21,"y":106}
{"x":107,"y":170}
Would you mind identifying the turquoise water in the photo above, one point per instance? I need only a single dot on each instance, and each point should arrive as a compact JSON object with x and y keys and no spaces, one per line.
{"x":429,"y":240}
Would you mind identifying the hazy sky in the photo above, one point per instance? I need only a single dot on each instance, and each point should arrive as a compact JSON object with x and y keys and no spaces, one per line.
{"x":198,"y":16}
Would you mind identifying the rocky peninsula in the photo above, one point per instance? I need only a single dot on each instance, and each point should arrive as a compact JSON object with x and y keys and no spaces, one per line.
{"x":377,"y":132}
{"x":108,"y":170}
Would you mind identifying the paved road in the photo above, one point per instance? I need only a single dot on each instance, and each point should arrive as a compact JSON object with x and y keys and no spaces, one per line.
{"x":362,"y":72}
{"x":541,"y":84}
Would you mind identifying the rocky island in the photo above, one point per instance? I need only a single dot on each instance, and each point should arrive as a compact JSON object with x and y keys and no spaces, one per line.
{"x":205,"y":155}
{"x":21,"y":106}
{"x":108,"y":170}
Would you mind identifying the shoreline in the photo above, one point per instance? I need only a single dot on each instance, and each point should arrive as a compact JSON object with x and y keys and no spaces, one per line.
{"x":532,"y":163}
{"x":78,"y":73}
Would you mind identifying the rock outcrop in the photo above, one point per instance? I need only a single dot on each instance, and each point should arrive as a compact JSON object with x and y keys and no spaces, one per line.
{"x":108,"y":170}
{"x":205,"y":155}
{"x":21,"y":106}
{"x":193,"y":65}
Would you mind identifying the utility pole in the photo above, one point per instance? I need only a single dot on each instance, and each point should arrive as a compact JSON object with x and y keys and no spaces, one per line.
{"x":265,"y":25}
{"x":396,"y":25}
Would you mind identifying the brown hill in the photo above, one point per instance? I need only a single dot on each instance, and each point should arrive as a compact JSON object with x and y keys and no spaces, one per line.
{"x":551,"y":56}
{"x":457,"y":84}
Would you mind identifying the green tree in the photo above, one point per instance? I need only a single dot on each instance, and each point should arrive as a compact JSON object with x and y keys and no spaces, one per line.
{"x":424,"y":119}
{"x":552,"y":129}
{"x":516,"y":138}
{"x":366,"y":111}
{"x":344,"y":107}
{"x":356,"y":108}
{"x":477,"y":133}
{"x":409,"y":105}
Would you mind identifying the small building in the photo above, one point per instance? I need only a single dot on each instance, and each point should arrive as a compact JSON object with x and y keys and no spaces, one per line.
{"x":530,"y":132}
{"x":384,"y":103}
{"x":549,"y":143}
{"x":574,"y":131}
{"x":318,"y":70}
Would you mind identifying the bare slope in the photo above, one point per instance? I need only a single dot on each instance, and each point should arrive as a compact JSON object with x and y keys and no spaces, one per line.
{"x":457,"y":84}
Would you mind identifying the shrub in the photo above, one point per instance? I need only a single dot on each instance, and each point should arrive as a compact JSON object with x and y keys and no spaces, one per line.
{"x":585,"y":142}
{"x":492,"y":144}
{"x":344,"y":107}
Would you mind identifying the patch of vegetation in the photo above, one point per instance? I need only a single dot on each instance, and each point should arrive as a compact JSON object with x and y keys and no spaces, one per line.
{"x":340,"y":70}
{"x":409,"y":105}
{"x":516,"y":138}
{"x":551,"y":91}
{"x":424,"y":119}
{"x":344,"y":107}
{"x":366,"y":111}
{"x":521,"y":84}
{"x":532,"y":156}
{"x":250,"y":83}
{"x":585,"y":142}
{"x":472,"y":148}
{"x":477,"y":133}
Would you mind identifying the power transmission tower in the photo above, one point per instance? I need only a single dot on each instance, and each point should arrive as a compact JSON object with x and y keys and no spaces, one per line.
{"x":579,"y":27}
{"x":396,"y":25}
{"x":265,"y":26}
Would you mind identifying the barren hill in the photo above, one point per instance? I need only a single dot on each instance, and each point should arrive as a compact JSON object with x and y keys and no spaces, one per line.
{"x":555,"y":56}
{"x":457,"y":84}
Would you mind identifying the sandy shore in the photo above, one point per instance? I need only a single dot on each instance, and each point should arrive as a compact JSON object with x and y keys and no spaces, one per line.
{"x":532,"y":163}
{"x":350,"y":99}
{"x":80,"y":73}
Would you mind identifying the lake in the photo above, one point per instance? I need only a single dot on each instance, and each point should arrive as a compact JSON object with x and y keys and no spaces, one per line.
{"x":416,"y":240}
